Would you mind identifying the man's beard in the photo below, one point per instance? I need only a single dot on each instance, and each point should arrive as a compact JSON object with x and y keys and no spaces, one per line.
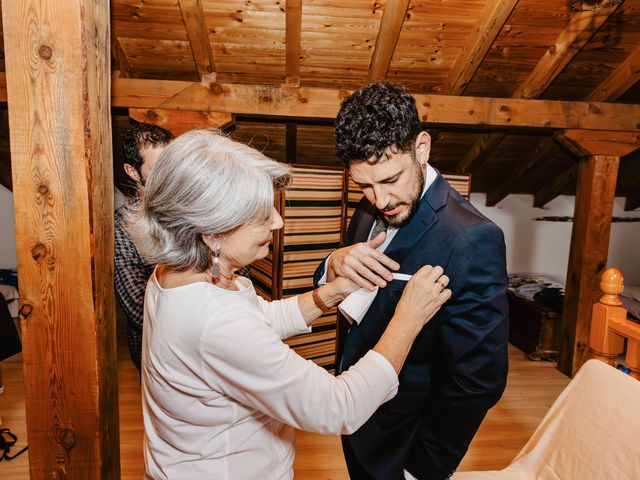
{"x":398,"y":221}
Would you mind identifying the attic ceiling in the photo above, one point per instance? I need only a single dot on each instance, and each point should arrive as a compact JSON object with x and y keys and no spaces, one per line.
{"x":481,"y":48}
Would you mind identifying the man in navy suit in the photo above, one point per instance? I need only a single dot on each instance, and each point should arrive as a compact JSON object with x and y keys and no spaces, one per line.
{"x":457,"y":367}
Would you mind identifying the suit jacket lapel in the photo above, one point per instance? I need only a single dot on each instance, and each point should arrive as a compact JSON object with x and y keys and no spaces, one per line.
{"x":365,"y":222}
{"x":424,"y":218}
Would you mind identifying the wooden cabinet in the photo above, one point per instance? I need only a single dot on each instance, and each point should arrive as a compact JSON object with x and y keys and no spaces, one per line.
{"x":533,"y":328}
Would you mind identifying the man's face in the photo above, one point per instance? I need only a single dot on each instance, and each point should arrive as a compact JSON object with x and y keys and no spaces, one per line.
{"x":394,"y":183}
{"x":149,"y":158}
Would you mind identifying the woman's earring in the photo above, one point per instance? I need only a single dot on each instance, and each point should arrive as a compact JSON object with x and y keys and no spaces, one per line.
{"x":215,"y":263}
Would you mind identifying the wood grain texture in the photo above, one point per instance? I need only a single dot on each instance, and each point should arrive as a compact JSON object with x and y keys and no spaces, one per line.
{"x":309,"y":102}
{"x":178,"y":122}
{"x":293,"y":47}
{"x":481,"y":151}
{"x":57,"y":59}
{"x":393,"y":18}
{"x":587,"y":256}
{"x":619,"y":80}
{"x":194,"y":23}
{"x":487,"y":28}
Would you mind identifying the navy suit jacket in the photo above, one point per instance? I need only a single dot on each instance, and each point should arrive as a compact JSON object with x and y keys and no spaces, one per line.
{"x":457,"y":367}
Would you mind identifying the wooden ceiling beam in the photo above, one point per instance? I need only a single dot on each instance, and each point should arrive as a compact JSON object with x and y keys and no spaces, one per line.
{"x":178,"y":122}
{"x":194,"y":23}
{"x":619,"y":81}
{"x":581,"y":27}
{"x":480,"y":152}
{"x":543,"y":151}
{"x":293,"y":13}
{"x":493,"y":17}
{"x":309,"y":102}
{"x":395,"y":12}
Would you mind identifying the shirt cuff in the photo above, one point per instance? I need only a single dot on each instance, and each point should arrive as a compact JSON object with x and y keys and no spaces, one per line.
{"x":408,"y":476}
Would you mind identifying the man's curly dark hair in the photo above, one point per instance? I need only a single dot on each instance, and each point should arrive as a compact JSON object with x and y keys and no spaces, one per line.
{"x":378,"y":116}
{"x":139,"y":136}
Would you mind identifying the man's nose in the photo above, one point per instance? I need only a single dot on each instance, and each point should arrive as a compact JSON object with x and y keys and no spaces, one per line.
{"x":382,"y":197}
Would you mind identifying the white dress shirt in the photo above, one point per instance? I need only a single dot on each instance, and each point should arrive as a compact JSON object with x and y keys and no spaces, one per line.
{"x":221,"y":391}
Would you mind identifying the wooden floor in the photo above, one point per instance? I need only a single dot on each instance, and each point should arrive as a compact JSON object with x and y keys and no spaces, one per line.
{"x":532,"y":387}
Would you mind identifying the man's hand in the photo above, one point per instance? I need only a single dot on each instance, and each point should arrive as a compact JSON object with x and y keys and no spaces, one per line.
{"x":362,"y":264}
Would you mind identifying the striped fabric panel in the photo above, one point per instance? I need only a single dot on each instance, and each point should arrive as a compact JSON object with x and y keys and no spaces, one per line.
{"x":312,"y":229}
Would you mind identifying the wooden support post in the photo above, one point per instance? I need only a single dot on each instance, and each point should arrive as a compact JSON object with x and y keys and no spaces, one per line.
{"x":58,"y":82}
{"x":588,"y":255}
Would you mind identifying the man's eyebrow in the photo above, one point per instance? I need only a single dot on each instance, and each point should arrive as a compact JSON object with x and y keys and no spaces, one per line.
{"x":386,"y":179}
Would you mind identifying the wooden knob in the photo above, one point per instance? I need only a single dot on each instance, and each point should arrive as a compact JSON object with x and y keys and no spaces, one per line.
{"x":612,"y":284}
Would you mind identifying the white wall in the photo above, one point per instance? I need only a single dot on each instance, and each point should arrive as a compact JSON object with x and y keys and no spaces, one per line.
{"x":543,"y":247}
{"x":8,"y":229}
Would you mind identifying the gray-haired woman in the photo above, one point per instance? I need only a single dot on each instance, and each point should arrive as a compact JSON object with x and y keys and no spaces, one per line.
{"x":221,"y":391}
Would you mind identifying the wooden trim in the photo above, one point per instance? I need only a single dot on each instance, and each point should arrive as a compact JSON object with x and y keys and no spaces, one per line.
{"x":3,"y":87}
{"x":395,"y":12}
{"x":618,"y":81}
{"x":587,"y":256}
{"x":481,"y":151}
{"x":58,"y":80}
{"x":178,"y":122}
{"x":543,"y":150}
{"x":493,"y":17}
{"x":309,"y":102}
{"x":293,"y":11}
{"x":579,"y":30}
{"x":195,"y":24}
{"x":556,"y":186}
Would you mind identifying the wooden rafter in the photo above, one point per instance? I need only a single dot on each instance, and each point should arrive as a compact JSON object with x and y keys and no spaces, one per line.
{"x":543,"y":150}
{"x":309,"y":102}
{"x":120,"y":55}
{"x":488,"y":26}
{"x":194,"y":23}
{"x":581,"y":27}
{"x":479,"y":153}
{"x":293,"y":37}
{"x":556,"y":186}
{"x":393,"y":18}
{"x":572,"y":39}
{"x":618,"y":81}
{"x":632,"y":202}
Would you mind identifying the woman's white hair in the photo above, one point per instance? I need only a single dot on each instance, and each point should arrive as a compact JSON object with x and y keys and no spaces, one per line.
{"x":204,"y":183}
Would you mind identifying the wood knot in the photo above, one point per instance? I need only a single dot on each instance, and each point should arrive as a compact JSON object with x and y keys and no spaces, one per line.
{"x":152,"y":115}
{"x":552,"y":49}
{"x":215,"y":88}
{"x":43,"y":189}
{"x":266,"y":98}
{"x":38,"y":252}
{"x":25,"y":310}
{"x":471,"y":112}
{"x":45,"y":52}
{"x":504,"y":108}
{"x":594,"y":109}
{"x":67,"y":438}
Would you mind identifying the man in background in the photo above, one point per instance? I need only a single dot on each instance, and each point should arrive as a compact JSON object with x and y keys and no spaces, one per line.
{"x":142,"y":144}
{"x":457,"y":367}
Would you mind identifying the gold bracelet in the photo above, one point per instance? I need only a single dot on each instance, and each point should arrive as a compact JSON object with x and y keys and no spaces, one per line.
{"x":318,"y":301}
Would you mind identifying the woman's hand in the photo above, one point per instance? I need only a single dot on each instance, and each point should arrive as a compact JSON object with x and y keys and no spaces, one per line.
{"x":343,"y":286}
{"x":423,"y":296}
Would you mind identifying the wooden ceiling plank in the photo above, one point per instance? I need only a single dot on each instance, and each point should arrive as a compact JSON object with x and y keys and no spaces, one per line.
{"x":194,"y":23}
{"x":556,"y":186}
{"x":580,"y":29}
{"x":310,"y":102}
{"x":481,"y":151}
{"x":178,"y":122}
{"x":543,"y":151}
{"x":494,"y":15}
{"x":618,"y":81}
{"x":395,"y":12}
{"x":293,"y":37}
